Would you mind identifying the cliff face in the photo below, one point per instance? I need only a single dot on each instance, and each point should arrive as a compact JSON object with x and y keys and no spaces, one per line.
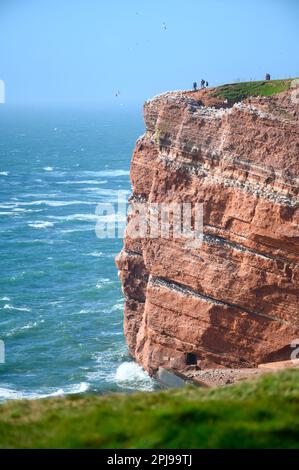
{"x":233,"y":301}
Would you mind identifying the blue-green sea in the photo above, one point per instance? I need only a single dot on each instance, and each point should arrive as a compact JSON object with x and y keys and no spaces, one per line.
{"x":61,"y":306}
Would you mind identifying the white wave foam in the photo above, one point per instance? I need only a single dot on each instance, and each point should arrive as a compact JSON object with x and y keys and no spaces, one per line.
{"x":108,"y":173}
{"x":130,"y":375}
{"x":43,"y":241}
{"x":73,"y":230}
{"x":29,"y":326}
{"x":50,"y":203}
{"x":111,"y":354}
{"x":4,"y":173}
{"x":82,"y":182}
{"x":129,"y":371}
{"x":117,"y":195}
{"x":21,"y":309}
{"x":110,"y":333}
{"x":15,"y":209}
{"x":76,"y":388}
{"x":48,"y":168}
{"x":118,"y":307}
{"x":46,"y":202}
{"x":80,"y":217}
{"x":7,"y":299}
{"x":97,"y":375}
{"x":10,"y":394}
{"x":96,"y":254}
{"x":102,"y":282}
{"x":41,"y":224}
{"x":39,"y":195}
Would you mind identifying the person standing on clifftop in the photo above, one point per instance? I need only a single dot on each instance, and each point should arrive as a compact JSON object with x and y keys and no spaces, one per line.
{"x":202,"y":83}
{"x":194,"y":86}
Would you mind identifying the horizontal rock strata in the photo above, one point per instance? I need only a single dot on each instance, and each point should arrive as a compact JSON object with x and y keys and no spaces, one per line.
{"x":232,"y":301}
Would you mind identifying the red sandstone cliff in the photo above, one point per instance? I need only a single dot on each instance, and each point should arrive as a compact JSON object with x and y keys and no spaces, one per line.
{"x":234,"y":300}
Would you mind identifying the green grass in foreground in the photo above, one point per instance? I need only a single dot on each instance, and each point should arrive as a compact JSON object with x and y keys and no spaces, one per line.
{"x":260,"y":414}
{"x":237,"y":91}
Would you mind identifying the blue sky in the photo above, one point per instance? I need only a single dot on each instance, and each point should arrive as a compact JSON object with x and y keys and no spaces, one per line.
{"x":80,"y":52}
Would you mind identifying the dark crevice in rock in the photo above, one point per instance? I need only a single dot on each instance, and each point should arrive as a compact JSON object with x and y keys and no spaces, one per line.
{"x":223,"y":241}
{"x":135,"y":299}
{"x":159,"y":281}
{"x":132,"y":253}
{"x":183,"y":347}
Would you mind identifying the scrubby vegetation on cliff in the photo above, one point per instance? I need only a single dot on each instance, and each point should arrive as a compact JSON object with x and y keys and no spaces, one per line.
{"x":238,"y":91}
{"x":258,"y":414}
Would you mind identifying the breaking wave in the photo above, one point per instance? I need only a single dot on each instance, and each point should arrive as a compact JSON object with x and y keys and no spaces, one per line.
{"x":80,"y":217}
{"x":41,"y":225}
{"x":108,"y":173}
{"x":82,"y":182}
{"x":11,"y":394}
{"x":131,"y":376}
{"x":19,"y":330}
{"x":20,"y":309}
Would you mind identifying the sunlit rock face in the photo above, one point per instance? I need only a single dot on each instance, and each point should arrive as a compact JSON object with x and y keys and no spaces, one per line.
{"x":233,"y":301}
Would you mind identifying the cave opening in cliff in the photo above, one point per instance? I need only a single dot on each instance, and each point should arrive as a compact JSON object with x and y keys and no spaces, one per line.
{"x":191,"y":359}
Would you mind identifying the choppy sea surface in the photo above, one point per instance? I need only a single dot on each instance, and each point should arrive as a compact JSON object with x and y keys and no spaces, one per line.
{"x":61,"y":306}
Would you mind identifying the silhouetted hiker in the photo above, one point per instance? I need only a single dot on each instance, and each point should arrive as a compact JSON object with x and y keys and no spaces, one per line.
{"x":267,"y":76}
{"x":194,"y":86}
{"x":207,"y":84}
{"x":202,"y":83}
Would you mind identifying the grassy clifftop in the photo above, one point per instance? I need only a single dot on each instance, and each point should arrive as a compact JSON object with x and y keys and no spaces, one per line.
{"x":237,"y":91}
{"x":259,"y":414}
